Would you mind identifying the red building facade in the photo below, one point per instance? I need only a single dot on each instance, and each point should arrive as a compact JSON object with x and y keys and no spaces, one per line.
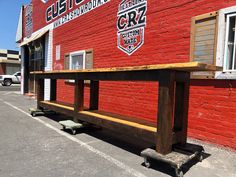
{"x":139,"y":32}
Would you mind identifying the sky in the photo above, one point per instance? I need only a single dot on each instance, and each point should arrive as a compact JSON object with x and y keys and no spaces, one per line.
{"x":9,"y":15}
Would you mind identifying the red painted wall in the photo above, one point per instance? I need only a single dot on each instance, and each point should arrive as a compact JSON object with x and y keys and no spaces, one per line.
{"x":2,"y":68}
{"x":212,"y":113}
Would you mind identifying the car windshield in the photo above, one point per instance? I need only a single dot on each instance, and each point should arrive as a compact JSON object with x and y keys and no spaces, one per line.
{"x":17,"y":74}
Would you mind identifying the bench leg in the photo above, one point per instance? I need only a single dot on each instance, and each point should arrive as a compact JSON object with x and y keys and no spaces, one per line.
{"x":78,"y":98}
{"x":40,"y":92}
{"x":181,"y":108}
{"x":94,"y":95}
{"x":165,"y":112}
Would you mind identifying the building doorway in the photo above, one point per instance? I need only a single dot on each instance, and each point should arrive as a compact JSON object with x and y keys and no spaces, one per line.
{"x":36,"y":62}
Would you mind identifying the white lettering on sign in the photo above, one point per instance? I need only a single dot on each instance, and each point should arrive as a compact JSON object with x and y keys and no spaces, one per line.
{"x":61,"y":6}
{"x":131,"y":23}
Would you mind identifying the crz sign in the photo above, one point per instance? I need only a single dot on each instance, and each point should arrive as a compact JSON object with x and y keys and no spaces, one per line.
{"x":131,"y":23}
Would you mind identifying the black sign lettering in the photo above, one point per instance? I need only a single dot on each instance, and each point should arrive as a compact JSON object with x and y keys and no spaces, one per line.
{"x":142,"y":11}
{"x":55,"y":10}
{"x":70,"y":4}
{"x":62,"y":6}
{"x":78,"y":1}
{"x":49,"y":14}
{"x":120,"y":26}
{"x":132,"y":18}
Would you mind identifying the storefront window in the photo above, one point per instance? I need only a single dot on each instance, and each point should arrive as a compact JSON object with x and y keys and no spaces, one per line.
{"x":77,"y":60}
{"x":230,"y":64}
{"x":37,"y":55}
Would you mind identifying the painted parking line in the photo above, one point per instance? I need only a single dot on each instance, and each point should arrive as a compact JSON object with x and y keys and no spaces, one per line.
{"x":8,"y":93}
{"x":116,"y":162}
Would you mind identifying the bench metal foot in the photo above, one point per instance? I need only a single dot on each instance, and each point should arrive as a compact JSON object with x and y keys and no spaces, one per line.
{"x":71,"y":125}
{"x":40,"y":112}
{"x":176,"y":159}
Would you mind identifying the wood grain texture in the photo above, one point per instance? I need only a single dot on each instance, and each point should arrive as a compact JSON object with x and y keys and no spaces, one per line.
{"x":40,"y":91}
{"x":188,"y":66}
{"x":105,"y":117}
{"x":53,"y":87}
{"x":58,"y":105}
{"x":165,"y":112}
{"x":94,"y":95}
{"x":203,"y":42}
{"x":117,"y":120}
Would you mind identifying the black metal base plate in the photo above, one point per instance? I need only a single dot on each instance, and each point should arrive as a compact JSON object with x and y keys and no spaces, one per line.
{"x":178,"y":157}
{"x":40,"y":112}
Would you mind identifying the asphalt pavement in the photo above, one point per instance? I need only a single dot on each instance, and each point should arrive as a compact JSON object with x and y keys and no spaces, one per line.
{"x":13,"y":87}
{"x":36,"y":147}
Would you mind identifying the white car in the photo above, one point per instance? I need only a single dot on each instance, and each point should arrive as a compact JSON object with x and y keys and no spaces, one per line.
{"x":7,"y":80}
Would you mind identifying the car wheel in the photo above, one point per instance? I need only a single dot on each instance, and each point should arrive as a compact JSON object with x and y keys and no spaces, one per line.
{"x":7,"y":82}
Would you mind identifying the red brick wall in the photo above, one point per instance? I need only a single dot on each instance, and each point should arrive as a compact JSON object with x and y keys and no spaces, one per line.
{"x":212,"y":114}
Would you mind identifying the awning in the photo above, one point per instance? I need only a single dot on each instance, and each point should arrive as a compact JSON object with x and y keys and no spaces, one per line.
{"x":35,"y":36}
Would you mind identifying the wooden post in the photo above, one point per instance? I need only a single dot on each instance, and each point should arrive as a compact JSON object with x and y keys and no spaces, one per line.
{"x":53,"y":91}
{"x":78,"y":98}
{"x":94,"y":95}
{"x":181,"y":108}
{"x":165,"y":112}
{"x":79,"y":95}
{"x":40,"y":91}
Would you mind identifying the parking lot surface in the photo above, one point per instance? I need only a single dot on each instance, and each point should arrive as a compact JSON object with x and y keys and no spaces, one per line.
{"x":36,"y":147}
{"x":13,"y":87}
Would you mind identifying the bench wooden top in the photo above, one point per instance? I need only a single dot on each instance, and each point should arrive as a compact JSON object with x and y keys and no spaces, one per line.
{"x":190,"y":67}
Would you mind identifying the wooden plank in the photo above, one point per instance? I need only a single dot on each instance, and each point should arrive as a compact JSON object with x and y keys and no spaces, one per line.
{"x":117,"y":120}
{"x":205,"y":33}
{"x":202,"y":58}
{"x":141,"y":134}
{"x":94,"y":95}
{"x":207,"y":15}
{"x":210,"y":61}
{"x":204,"y":47}
{"x":192,"y":39}
{"x":53,"y":92}
{"x":59,"y":108}
{"x":67,"y":61}
{"x":205,"y":28}
{"x":127,"y":118}
{"x":205,"y":75}
{"x":205,"y":38}
{"x":89,"y":59}
{"x":181,"y":108}
{"x":206,"y":22}
{"x":185,"y":110}
{"x":203,"y":43}
{"x":40,"y":91}
{"x":216,"y":38}
{"x":165,"y":112}
{"x":108,"y":76}
{"x":204,"y":52}
{"x":79,"y":95}
{"x":58,"y":105}
{"x":188,"y":66}
{"x":139,"y":129}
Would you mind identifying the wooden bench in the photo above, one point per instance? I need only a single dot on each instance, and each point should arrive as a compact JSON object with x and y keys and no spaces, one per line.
{"x":174,"y":81}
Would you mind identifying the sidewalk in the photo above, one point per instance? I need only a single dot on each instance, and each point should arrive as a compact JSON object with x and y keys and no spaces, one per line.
{"x":32,"y":147}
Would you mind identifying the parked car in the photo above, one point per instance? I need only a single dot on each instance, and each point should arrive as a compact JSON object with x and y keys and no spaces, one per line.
{"x":7,"y":80}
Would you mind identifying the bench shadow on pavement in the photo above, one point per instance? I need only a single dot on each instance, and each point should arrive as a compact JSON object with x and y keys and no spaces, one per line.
{"x":128,"y":143}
